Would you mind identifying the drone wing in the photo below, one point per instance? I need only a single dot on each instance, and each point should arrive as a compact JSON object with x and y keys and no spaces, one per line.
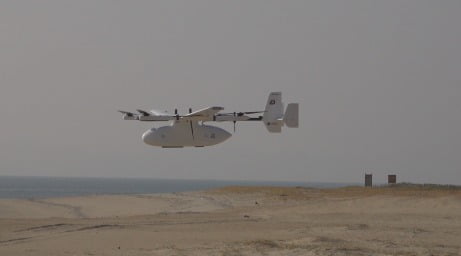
{"x":143,"y":115}
{"x":204,"y":114}
{"x":156,"y":112}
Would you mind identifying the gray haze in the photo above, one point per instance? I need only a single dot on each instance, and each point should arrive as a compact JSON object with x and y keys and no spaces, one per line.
{"x":378,"y":82}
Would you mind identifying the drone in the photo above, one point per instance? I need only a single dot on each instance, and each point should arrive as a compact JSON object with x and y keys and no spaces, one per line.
{"x":190,"y":130}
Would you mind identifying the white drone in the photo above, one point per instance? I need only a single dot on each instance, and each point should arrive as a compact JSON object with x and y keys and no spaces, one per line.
{"x":190,"y":130}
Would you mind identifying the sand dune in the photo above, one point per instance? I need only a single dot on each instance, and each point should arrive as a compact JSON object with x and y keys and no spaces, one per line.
{"x":238,"y":221}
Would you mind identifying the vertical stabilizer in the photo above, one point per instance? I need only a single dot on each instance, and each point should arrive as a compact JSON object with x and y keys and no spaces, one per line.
{"x":274,"y":112}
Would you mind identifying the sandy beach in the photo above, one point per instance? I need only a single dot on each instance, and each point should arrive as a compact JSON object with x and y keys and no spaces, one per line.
{"x":238,"y":221}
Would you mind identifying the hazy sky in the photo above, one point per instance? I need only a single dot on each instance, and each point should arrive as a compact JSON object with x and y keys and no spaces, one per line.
{"x":378,"y":82}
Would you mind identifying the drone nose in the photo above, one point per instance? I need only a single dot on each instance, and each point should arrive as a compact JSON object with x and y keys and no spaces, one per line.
{"x":148,"y":136}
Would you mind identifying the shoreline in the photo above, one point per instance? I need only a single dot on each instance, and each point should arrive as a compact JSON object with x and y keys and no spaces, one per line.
{"x":51,"y":187}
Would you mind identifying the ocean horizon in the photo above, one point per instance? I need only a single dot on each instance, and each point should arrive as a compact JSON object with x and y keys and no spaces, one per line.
{"x":30,"y":187}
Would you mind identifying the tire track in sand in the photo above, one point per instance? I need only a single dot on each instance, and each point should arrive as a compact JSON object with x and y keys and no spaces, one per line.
{"x":76,"y":210}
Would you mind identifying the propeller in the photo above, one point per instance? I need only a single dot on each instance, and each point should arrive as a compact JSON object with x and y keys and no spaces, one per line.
{"x":235,"y":120}
{"x":126,"y":113}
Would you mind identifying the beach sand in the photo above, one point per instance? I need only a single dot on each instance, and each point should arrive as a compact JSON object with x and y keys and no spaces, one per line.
{"x":235,"y":221}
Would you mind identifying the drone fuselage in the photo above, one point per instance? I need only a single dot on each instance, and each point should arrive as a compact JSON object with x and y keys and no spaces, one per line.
{"x":185,"y":134}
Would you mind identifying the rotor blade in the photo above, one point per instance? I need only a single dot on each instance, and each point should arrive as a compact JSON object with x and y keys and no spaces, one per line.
{"x":142,"y":112}
{"x":253,"y":112}
{"x":240,"y":113}
{"x":226,"y":114}
{"x":126,"y":113}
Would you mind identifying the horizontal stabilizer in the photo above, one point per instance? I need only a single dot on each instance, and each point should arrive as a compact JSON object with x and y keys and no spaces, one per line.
{"x":291,"y":117}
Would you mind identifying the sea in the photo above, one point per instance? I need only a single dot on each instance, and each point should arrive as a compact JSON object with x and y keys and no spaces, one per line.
{"x":48,"y":187}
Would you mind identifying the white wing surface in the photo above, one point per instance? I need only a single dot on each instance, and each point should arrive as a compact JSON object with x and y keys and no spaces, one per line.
{"x":156,"y":112}
{"x":205,"y":113}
